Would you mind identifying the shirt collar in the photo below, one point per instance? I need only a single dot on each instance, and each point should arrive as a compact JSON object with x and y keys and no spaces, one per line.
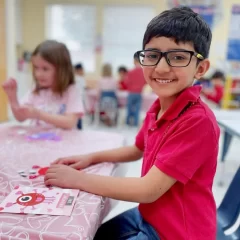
{"x":190,"y":94}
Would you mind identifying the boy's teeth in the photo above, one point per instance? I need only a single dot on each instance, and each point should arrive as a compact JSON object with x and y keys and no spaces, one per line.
{"x":163,"y":81}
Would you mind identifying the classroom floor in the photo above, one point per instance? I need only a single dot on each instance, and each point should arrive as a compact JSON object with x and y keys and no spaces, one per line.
{"x":133,"y":169}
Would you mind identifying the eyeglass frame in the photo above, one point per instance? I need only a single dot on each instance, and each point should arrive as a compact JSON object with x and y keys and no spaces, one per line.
{"x":164,"y":54}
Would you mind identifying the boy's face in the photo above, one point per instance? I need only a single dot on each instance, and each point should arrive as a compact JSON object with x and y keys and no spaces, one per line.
{"x":122,"y":74}
{"x":217,"y":81}
{"x":178,"y":78}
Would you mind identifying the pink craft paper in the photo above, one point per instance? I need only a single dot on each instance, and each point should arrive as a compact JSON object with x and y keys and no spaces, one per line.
{"x":50,"y":201}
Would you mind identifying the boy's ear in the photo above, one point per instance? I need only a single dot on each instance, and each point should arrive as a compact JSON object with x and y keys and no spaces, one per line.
{"x":202,"y":68}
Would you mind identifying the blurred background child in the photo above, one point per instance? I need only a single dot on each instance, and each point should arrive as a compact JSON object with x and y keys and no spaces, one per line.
{"x":122,"y":73}
{"x":81,"y":85}
{"x":54,"y":101}
{"x":108,"y":97}
{"x":134,"y":82}
{"x":215,"y":93}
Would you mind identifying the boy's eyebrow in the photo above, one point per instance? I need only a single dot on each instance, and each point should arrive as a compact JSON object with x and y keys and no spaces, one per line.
{"x":171,"y":49}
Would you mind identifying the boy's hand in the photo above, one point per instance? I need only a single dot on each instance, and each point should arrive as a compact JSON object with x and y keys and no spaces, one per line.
{"x":62,"y":176}
{"x":77,"y":162}
{"x":10,"y":87}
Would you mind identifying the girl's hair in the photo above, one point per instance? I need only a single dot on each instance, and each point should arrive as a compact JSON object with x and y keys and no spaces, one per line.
{"x":107,"y":70}
{"x":58,"y":55}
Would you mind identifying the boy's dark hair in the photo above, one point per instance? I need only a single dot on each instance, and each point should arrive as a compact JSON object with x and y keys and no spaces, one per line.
{"x":183,"y":25}
{"x":218,"y":74}
{"x":122,"y":69}
{"x":58,"y":55}
{"x":78,"y":66}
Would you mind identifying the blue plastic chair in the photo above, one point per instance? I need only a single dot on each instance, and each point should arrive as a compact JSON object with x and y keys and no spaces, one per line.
{"x":233,"y":236}
{"x":229,"y":210}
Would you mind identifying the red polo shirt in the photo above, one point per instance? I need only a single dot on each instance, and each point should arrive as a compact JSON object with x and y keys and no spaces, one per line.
{"x":217,"y":95}
{"x":184,"y":145}
{"x":135,"y":80}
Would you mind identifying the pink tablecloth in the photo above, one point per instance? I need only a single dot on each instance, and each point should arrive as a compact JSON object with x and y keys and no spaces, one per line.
{"x":16,"y":153}
{"x":92,"y":98}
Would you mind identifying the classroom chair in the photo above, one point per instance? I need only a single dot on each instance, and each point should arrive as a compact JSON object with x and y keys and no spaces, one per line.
{"x":234,"y":236}
{"x":229,"y":210}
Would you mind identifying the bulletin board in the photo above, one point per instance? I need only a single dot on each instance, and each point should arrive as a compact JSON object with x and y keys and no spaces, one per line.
{"x":233,"y":51}
{"x":210,"y":10}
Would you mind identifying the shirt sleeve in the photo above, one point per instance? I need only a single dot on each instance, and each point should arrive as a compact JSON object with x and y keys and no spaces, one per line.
{"x":74,"y":103}
{"x":195,"y":141}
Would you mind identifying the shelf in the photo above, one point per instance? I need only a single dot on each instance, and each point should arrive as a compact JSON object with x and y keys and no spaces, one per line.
{"x":235,"y":90}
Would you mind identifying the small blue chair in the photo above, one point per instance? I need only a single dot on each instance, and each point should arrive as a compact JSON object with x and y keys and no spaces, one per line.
{"x":229,"y":210}
{"x":234,"y":236}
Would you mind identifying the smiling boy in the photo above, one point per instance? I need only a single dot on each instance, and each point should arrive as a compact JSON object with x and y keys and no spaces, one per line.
{"x":178,"y":142}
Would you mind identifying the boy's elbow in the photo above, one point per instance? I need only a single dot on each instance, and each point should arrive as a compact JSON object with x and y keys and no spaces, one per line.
{"x":148,"y":195}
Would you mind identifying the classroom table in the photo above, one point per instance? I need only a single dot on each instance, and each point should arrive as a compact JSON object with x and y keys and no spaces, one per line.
{"x":229,"y":121}
{"x":18,"y":153}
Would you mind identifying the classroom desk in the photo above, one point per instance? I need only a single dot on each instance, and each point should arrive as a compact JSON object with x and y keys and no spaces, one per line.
{"x":17,"y":153}
{"x":229,"y":121}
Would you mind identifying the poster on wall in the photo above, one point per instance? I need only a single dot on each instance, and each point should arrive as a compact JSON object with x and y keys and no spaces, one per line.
{"x":210,"y":10}
{"x":233,"y":52}
{"x":206,"y":12}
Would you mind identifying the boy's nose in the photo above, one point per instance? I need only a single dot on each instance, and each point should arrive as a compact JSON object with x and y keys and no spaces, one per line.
{"x":162,"y":66}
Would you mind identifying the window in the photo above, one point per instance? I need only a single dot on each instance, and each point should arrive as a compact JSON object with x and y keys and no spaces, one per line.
{"x":123,"y":31}
{"x":75,"y":26}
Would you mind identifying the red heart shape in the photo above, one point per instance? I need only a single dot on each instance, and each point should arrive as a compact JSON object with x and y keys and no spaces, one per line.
{"x":1,"y":208}
{"x":42,"y":171}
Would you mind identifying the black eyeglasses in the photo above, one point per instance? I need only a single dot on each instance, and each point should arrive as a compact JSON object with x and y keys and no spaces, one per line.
{"x":174,"y":58}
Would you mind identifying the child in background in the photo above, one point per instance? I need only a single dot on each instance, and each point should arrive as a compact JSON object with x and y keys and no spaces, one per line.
{"x":178,"y":142}
{"x":81,"y":84}
{"x":108,"y":98}
{"x":215,"y":94}
{"x":55,"y":101}
{"x":122,"y":72}
{"x":134,"y":83}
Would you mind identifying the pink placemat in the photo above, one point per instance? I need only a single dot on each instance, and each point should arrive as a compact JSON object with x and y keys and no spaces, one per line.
{"x":18,"y":153}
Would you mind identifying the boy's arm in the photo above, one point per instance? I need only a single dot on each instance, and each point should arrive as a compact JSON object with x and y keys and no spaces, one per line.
{"x":122,"y":154}
{"x":142,"y":190}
